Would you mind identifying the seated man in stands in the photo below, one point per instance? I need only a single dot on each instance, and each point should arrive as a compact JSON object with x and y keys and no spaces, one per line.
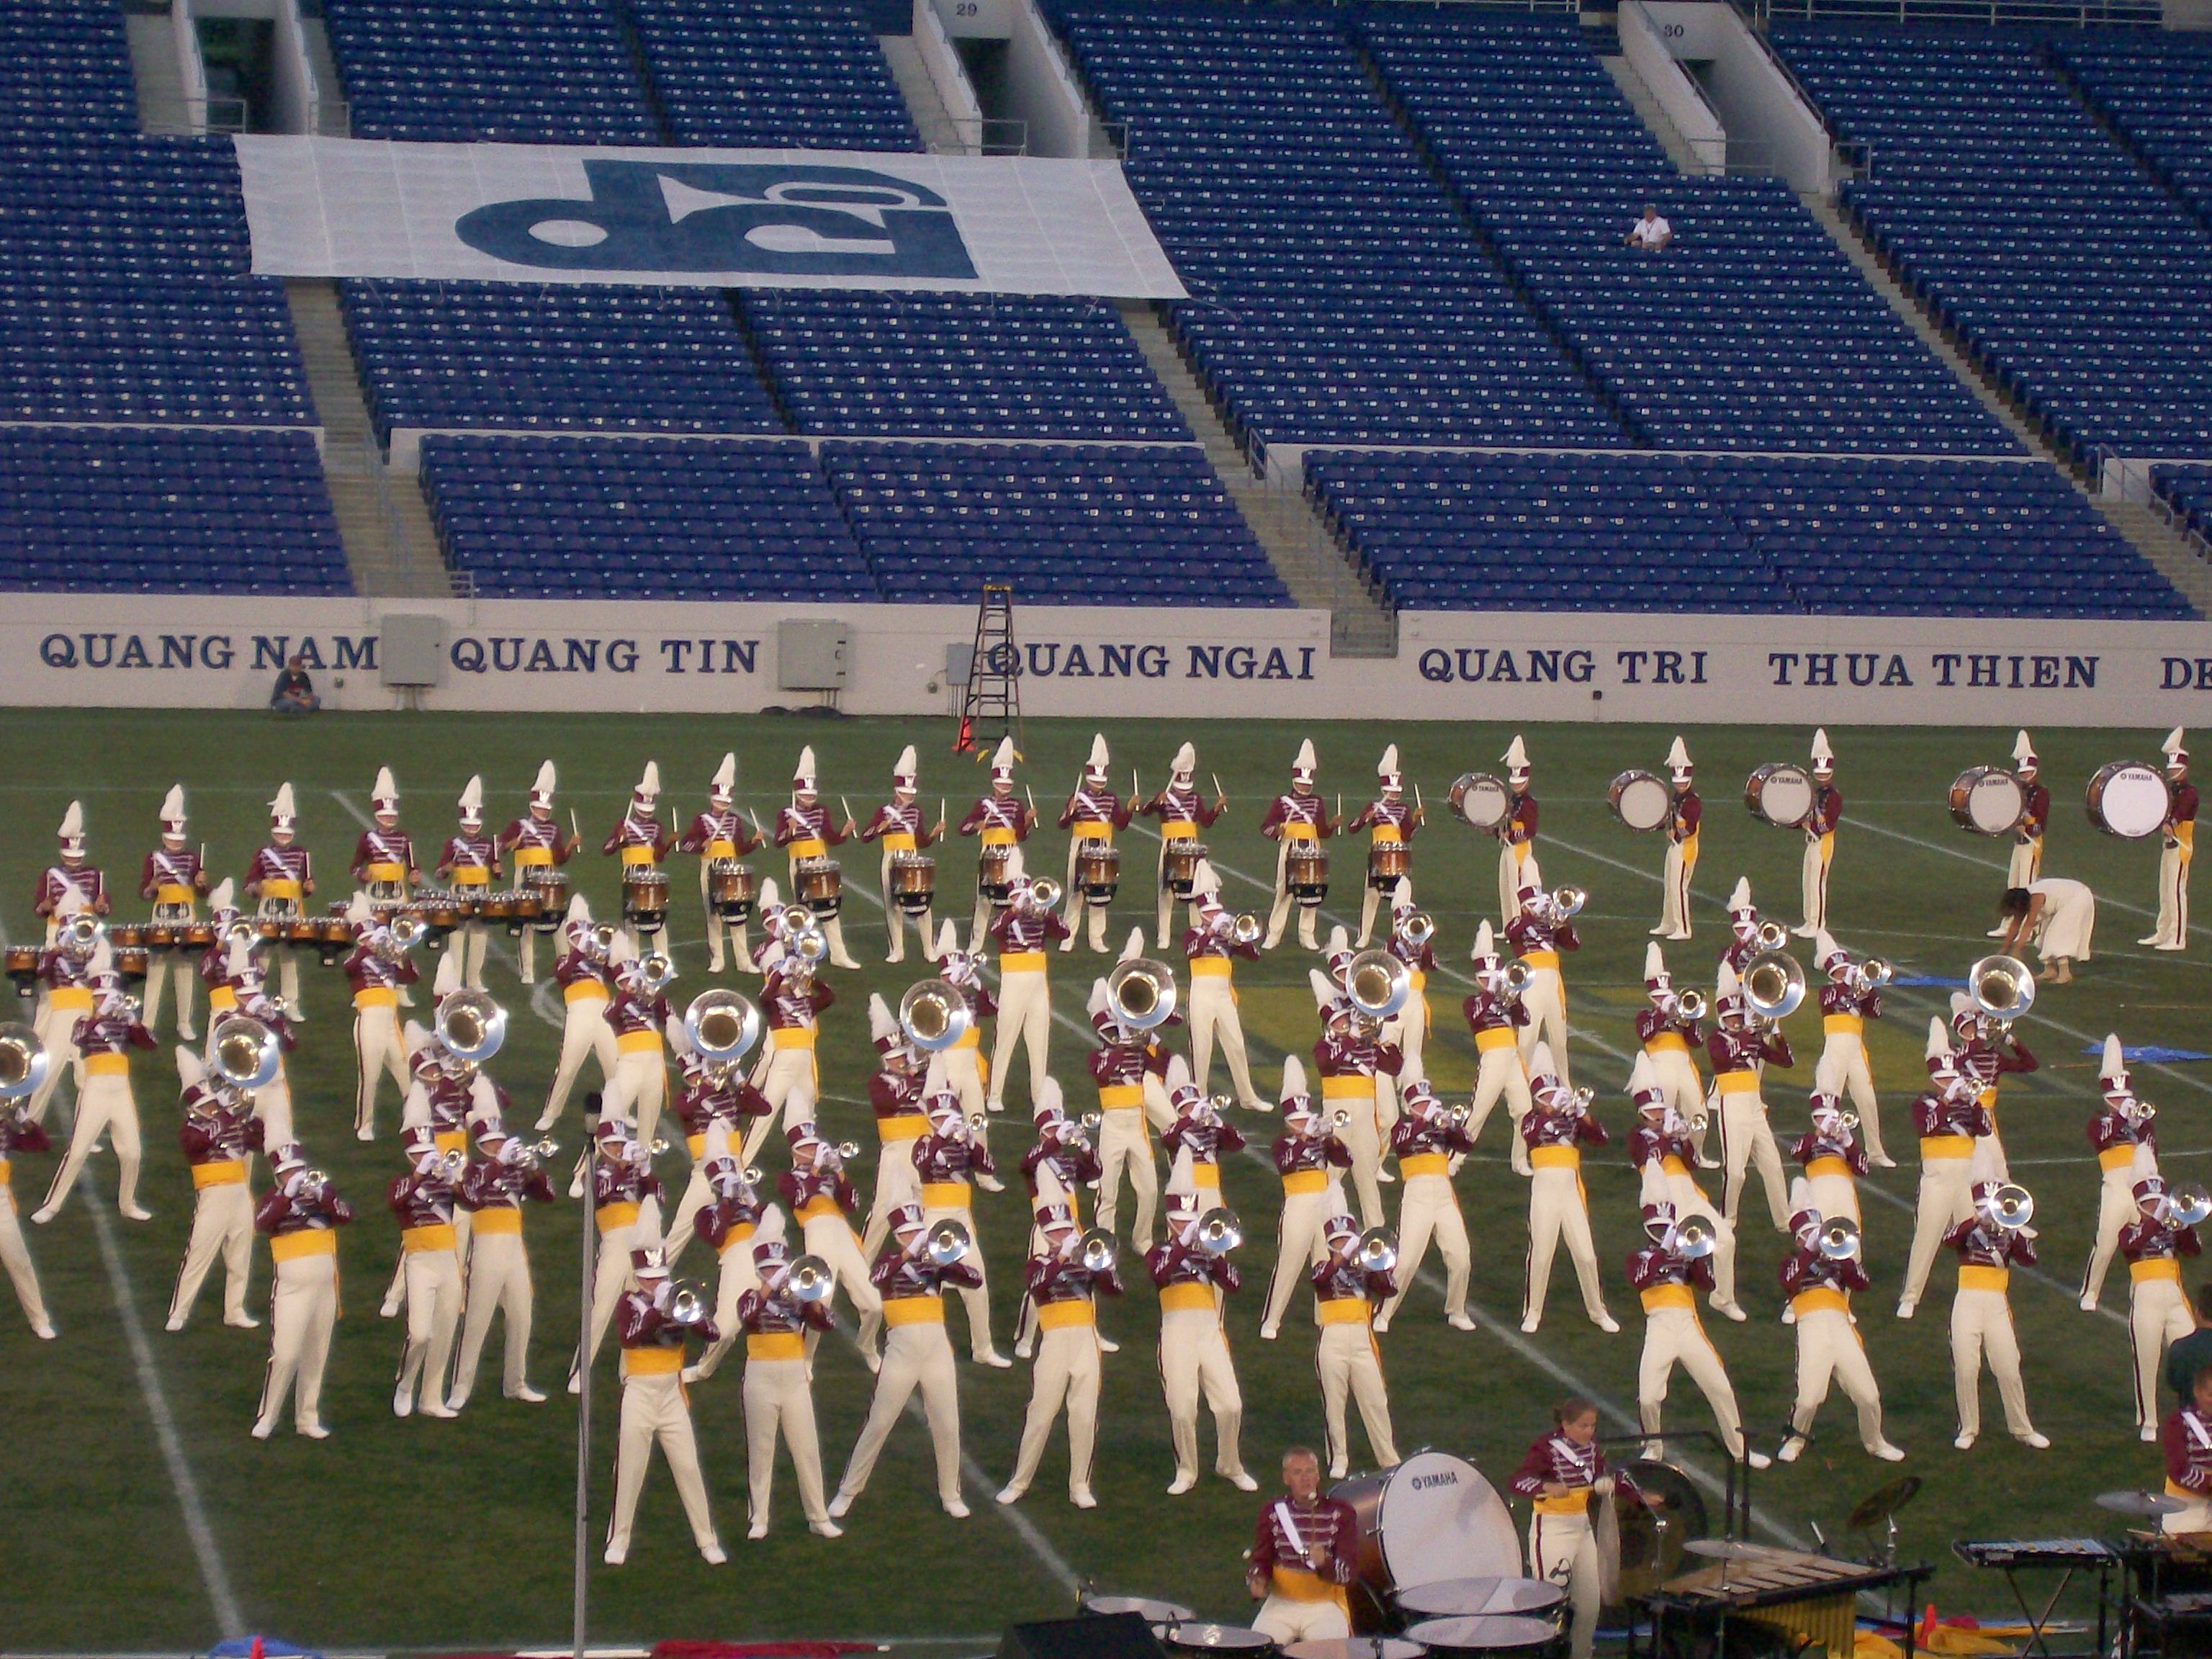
{"x":1650,"y":233}
{"x":294,"y":693}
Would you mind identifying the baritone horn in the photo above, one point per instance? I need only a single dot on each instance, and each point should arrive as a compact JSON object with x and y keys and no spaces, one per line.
{"x":244,"y":1052}
{"x":23,"y":1061}
{"x":1246,"y":929}
{"x":1141,"y":994}
{"x":1840,"y":1240}
{"x":405,"y":931}
{"x":1773,"y":985}
{"x":2189,"y":1205}
{"x":658,"y":969}
{"x":1418,"y":929}
{"x":1693,"y":1237}
{"x":811,"y":1280}
{"x":1377,"y":983}
{"x":1377,"y":1250}
{"x":1569,"y":902}
{"x":2003,"y":988}
{"x":947,"y":1242}
{"x":1691,"y":1004}
{"x":2012,"y":1207}
{"x":1220,"y":1233}
{"x":934,"y":1015}
{"x":1097,"y":1250}
{"x":1044,"y":893}
{"x":723,"y":1025}
{"x":1874,"y":973}
{"x":686,"y":1305}
{"x":471,"y":1026}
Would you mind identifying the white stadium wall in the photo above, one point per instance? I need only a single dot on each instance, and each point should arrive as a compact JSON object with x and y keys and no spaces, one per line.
{"x":141,"y":652}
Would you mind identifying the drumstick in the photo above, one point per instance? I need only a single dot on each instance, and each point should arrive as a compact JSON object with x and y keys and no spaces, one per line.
{"x":847,"y":806}
{"x":940,"y":815}
{"x":1031,"y":794}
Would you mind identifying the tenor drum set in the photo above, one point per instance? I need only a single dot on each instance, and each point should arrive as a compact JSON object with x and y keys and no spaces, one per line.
{"x":914,"y":882}
{"x":1179,"y":862}
{"x":1642,"y":800}
{"x":821,"y":885}
{"x":551,"y":888}
{"x":1098,"y":870}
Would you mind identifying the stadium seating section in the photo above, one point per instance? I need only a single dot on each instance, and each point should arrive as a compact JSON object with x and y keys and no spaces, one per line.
{"x":2156,"y":91}
{"x":65,"y":69}
{"x":1733,"y":533}
{"x":771,"y":73}
{"x":2188,"y":490}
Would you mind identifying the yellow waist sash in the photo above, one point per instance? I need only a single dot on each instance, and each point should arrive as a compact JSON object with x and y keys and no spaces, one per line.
{"x":634,"y":855}
{"x":1667,"y":1042}
{"x":171,"y":892}
{"x":381,"y":870}
{"x":620,"y":1213}
{"x":914,"y":1310}
{"x":1090,"y":829}
{"x":809,"y":846}
{"x":1300,"y":831}
{"x":1673,"y":1166}
{"x":1829,"y":1166}
{"x":1494,"y":1038}
{"x":1060,"y":1315}
{"x":1385,"y":835}
{"x":1342,"y":1310}
{"x":1210,"y":967}
{"x":898,"y":840}
{"x":1179,"y":829}
{"x":1304,"y":1181}
{"x":739,"y":1237}
{"x":1574,"y":1503}
{"x":1425,"y":1163}
{"x":223,"y":1172}
{"x":719,"y":848}
{"x":945,"y":1194}
{"x":312,"y":1241}
{"x":1851,"y":1025}
{"x":1656,"y":1297}
{"x":376,"y":996}
{"x":1183,"y":1296}
{"x":525,"y":857}
{"x":1973,"y":1277}
{"x":1535,"y":959}
{"x":1947,"y":1146}
{"x":819,"y":1205}
{"x":453,"y":1140}
{"x":775,"y":1344}
{"x":1120,"y":1097}
{"x":471,"y":875}
{"x":77,"y":998}
{"x":280,"y":887}
{"x":792,"y":1036}
{"x":996,"y":835}
{"x":1820,"y":1299}
{"x":2116,"y":1157}
{"x":697,"y":1146}
{"x":1021,"y":961}
{"x":1207,"y":1174}
{"x":1737,"y":1082}
{"x":1352,"y":1085}
{"x":906,"y":1126}
{"x":584,"y":990}
{"x":1298,"y":1584}
{"x":2157,"y":1266}
{"x":439,"y":1236}
{"x":107,"y":1065}
{"x":500,"y":1220}
{"x":1556,"y":1157}
{"x":221,"y":999}
{"x":638,"y":1042}
{"x":652,"y":1362}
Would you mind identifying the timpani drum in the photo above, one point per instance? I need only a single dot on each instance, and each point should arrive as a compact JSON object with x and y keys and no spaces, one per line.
{"x":1641,"y":800}
{"x":1488,"y":1636}
{"x":1987,"y":801}
{"x":821,"y":885}
{"x":1781,"y":793}
{"x":1098,"y":870}
{"x":1217,"y":1639}
{"x":1481,"y":799}
{"x":1161,"y":1616}
{"x":913,"y":883}
{"x":551,"y":887}
{"x":2129,"y":800}
{"x":644,"y":894}
{"x":1305,"y":872}
{"x":1387,"y":861}
{"x":1433,"y":1517}
{"x":1463,"y":1598}
{"x":991,"y":864}
{"x":1356,"y":1647}
{"x":730,"y":890}
{"x":1179,"y":862}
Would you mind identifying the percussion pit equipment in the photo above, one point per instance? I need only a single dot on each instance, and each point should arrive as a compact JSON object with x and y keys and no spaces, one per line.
{"x":1098,"y":870}
{"x":821,"y":885}
{"x":1161,"y":1616}
{"x":1487,"y":1637}
{"x":1655,"y":1534}
{"x":731,"y":889}
{"x":1781,"y":793}
{"x":644,"y":895}
{"x":1386,"y":860}
{"x":1179,"y":862}
{"x":1217,"y":1639}
{"x":1434,"y":1516}
{"x":2129,"y":800}
{"x":914,"y":882}
{"x":1305,"y":874}
{"x":1356,"y":1647}
{"x":1483,"y":801}
{"x":1642,"y":800}
{"x":1460,"y":1598}
{"x":1987,"y":801}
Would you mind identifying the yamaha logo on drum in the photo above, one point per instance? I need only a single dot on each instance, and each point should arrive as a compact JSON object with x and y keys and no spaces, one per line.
{"x":1424,"y":1482}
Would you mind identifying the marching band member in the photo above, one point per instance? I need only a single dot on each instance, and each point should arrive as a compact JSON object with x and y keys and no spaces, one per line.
{"x":1540,"y":929}
{"x":1021,"y":929}
{"x":2059,"y":916}
{"x":1351,"y":1056}
{"x":997,"y":820}
{"x":1193,"y":1277}
{"x":1684,"y":816}
{"x":1829,"y":1153}
{"x":249,"y":992}
{"x":719,"y":833}
{"x":384,"y":866}
{"x":1091,"y":815}
{"x":65,"y":997}
{"x":1987,"y":1052}
{"x":1669,"y":1038}
{"x":1558,"y":1125}
{"x":300,"y":1214}
{"x":819,"y":1196}
{"x":911,"y":1281}
{"x":787,"y":1077}
{"x":1817,"y":1286}
{"x":1659,"y":1152}
{"x":1408,"y":1029}
{"x":1389,"y":821}
{"x":219,"y":1135}
{"x":1517,"y":835}
{"x":1495,"y":1015}
{"x":2158,"y":1312}
{"x":626,"y":1207}
{"x":1848,"y":1001}
{"x":1305,"y":1153}
{"x":643,"y":843}
{"x":422,"y":1200}
{"x":1821,"y":824}
{"x":946,"y":1161}
{"x":20,"y":1133}
{"x":495,"y":1184}
{"x":1951,"y":1120}
{"x":174,"y":878}
{"x":778,"y":1397}
{"x":1740,"y":1047}
{"x":1299,"y":815}
{"x":1183,"y":812}
{"x":655,"y":1329}
{"x":1064,"y":1288}
{"x":1128,"y":1067}
{"x":104,"y":1037}
{"x":469,"y":864}
{"x":964,"y":1060}
{"x":376,"y":969}
{"x":638,"y":1014}
{"x":1345,"y":1291}
{"x":531,"y":842}
{"x":1744,"y":924}
{"x":2186,"y":1441}
{"x":1211,"y":946}
{"x":2025,"y":862}
{"x":1562,"y":1473}
{"x":2125,"y":1135}
{"x":1668,"y":1272}
{"x":1429,"y":1142}
{"x":70,"y":875}
{"x":713,"y":1106}
{"x":1305,"y":1553}
{"x":804,"y":830}
{"x":1064,"y":1161}
{"x":1981,"y":1316}
{"x":2177,"y":847}
{"x":733,"y":1224}
{"x":279,"y":881}
{"x":586,"y":982}
{"x":1199,"y":1130}
{"x":895,"y":1090}
{"x":899,"y":827}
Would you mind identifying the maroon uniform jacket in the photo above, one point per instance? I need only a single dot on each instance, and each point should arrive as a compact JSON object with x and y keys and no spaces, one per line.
{"x":220,"y":1133}
{"x":1936,"y":1115}
{"x":1731,"y":1049}
{"x":1055,"y":1278}
{"x":710,"y":826}
{"x":641,"y":1323}
{"x":488,"y":1184}
{"x":1689,"y":811}
{"x":2185,"y":1440}
{"x":898,"y":1275}
{"x":1179,"y":803}
{"x":1296,"y":809}
{"x":163,"y":868}
{"x":1803,"y":1270}
{"x":1295,"y":1153}
{"x":1556,"y":1461}
{"x":940,"y":1160}
{"x":2157,"y":1241}
{"x":467,"y":851}
{"x":998,"y":812}
{"x":763,"y":1312}
{"x":1018,"y":930}
{"x":1526,"y":934}
{"x":893,"y":818}
{"x":1651,"y":1023}
{"x":1217,"y":941}
{"x":1330,"y":1524}
{"x":1520,"y":826}
{"x":1654,"y":1265}
{"x":1206,"y":1140}
{"x":530,"y":830}
{"x":279,"y":1214}
{"x":1334,"y":1280}
{"x":384,"y":847}
{"x":275,"y":863}
{"x":1171,"y":1263}
{"x":1814,"y":1144}
{"x":1545,"y":1127}
{"x":1416,"y":1132}
{"x":728,"y":1220}
{"x":1090,"y":805}
{"x":1827,"y":810}
{"x":56,"y":881}
{"x":1980,"y":1245}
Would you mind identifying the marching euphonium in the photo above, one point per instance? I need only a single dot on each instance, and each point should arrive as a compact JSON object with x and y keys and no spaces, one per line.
{"x":1245,"y":929}
{"x":1220,"y":1233}
{"x":403,"y":931}
{"x":1694,"y":1237}
{"x":1375,"y":1251}
{"x":1043,"y":894}
{"x":934,"y":1015}
{"x":658,"y":970}
{"x":1873,"y":974}
{"x":686,"y":1306}
{"x":2003,"y":988}
{"x":244,"y":1052}
{"x":1690,"y":1005}
{"x":470,"y":1025}
{"x":1141,"y":994}
{"x":811,"y":1280}
{"x":23,"y":1061}
{"x":723,"y":1025}
{"x":1418,"y":929}
{"x":947,"y":1241}
{"x":1097,"y":1250}
{"x":2188,"y":1204}
{"x":1568,"y":902}
{"x":1773,"y":985}
{"x":1377,"y":984}
{"x":1839,"y":1239}
{"x":1772,"y":936}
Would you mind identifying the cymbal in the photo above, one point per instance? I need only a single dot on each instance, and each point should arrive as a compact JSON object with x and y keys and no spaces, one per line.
{"x":2139,"y":1503}
{"x":1877,"y":1506}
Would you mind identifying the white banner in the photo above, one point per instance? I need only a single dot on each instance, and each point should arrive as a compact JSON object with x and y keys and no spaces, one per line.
{"x":1187,"y":664}
{"x":700,"y":218}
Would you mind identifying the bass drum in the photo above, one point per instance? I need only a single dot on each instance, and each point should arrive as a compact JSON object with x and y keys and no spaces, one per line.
{"x":1483,"y":800}
{"x":1433,"y":1517}
{"x":1653,"y":1536}
{"x":2129,"y":800}
{"x":1987,"y":801}
{"x":1781,"y":793}
{"x":1641,"y":800}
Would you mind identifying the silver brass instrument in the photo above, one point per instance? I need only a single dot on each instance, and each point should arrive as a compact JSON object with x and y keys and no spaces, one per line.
{"x":795,"y":919}
{"x":1840,"y":1240}
{"x":1097,"y":1250}
{"x":1246,"y":929}
{"x":244,"y":1052}
{"x":1568,"y":902}
{"x":811,"y":1280}
{"x":2012,"y":1207}
{"x":1377,"y":983}
{"x":23,"y":1061}
{"x":470,"y":1025}
{"x":1773,"y":985}
{"x":1772,"y":936}
{"x":934,"y":1015}
{"x":1418,"y":929}
{"x":602,"y":938}
{"x":81,"y":932}
{"x":1691,"y":1004}
{"x":1141,"y":994}
{"x":406,"y":931}
{"x":2003,"y":988}
{"x":809,"y":944}
{"x":541,"y":1151}
{"x":453,"y":1160}
{"x":723,"y":1025}
{"x":658,"y":970}
{"x":1873,"y":974}
{"x":1339,"y":1120}
{"x":241,"y":931}
{"x":657,"y":1145}
{"x":1220,"y":1233}
{"x":1693,"y":1237}
{"x":686,"y":1304}
{"x":1044,"y":893}
{"x":314,"y":1187}
{"x":1376,"y":1251}
{"x":2188,"y":1204}
{"x":947,"y":1242}
{"x":1518,"y":975}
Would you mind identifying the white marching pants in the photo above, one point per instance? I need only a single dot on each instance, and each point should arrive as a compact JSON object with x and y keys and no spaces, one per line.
{"x":18,"y":1260}
{"x":1516,"y":868}
{"x":1194,"y":1359}
{"x":1279,"y":914}
{"x":470,"y":944}
{"x":2024,"y":865}
{"x":1813,"y":880}
{"x":583,"y":1032}
{"x":655,"y":1412}
{"x":55,"y":1029}
{"x":1213,"y":1018}
{"x":379,"y":1052}
{"x":895,"y":922}
{"x":1430,"y":1210}
{"x":272,"y":1104}
{"x":638,"y":1089}
{"x":779,"y":1401}
{"x":1501,"y":1073}
{"x":2115,"y":1207}
{"x":498,"y":1282}
{"x":1124,"y":1145}
{"x":1674,"y":890}
{"x":1563,"y":1551}
{"x":1835,"y":1195}
{"x":1689,"y":1199}
{"x":612,"y":1276}
{"x":1066,"y":1373}
{"x":1077,"y":904}
{"x":1678,"y":1081}
{"x":832,"y":1238}
{"x":915,"y":1356}
{"x":1024,"y":1018}
{"x":103,"y":1106}
{"x":1363,"y":1140}
{"x":1168,"y":902}
{"x":1746,"y":1137}
{"x":434,"y":1315}
{"x":1546,"y":1001}
{"x":788,"y":1080}
{"x":1288,"y":1621}
{"x":527,"y":955}
{"x":1947,"y":1188}
{"x":1556,"y":1210}
{"x":1298,"y":1244}
{"x":2158,"y":1314}
{"x":2172,"y":897}
{"x":1349,"y":1365}
{"x":1829,"y":1350}
{"x":180,"y":968}
{"x":222,"y":1227}
{"x":1672,"y":1337}
{"x":736,"y":1275}
{"x":1981,"y":1325}
{"x":303,"y":1307}
{"x":1844,"y":1054}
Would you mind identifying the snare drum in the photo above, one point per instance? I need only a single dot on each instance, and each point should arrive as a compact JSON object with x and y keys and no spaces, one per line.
{"x":1488,"y":1636}
{"x":1987,"y":801}
{"x":644,"y":893}
{"x":1481,"y":799}
{"x":551,"y":887}
{"x":1305,"y":872}
{"x":1179,"y":862}
{"x":2129,"y":800}
{"x":131,"y":962}
{"x":991,"y":872}
{"x":23,"y":969}
{"x":914,"y":882}
{"x":1387,"y":860}
{"x":1641,"y":800}
{"x":730,"y":890}
{"x":821,"y":885}
{"x":1098,"y":870}
{"x":1781,"y":793}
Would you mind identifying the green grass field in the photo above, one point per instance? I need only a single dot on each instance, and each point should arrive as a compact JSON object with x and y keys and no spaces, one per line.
{"x":455,"y":1537}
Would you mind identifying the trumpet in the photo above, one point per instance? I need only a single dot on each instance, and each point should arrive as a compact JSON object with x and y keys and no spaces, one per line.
{"x":1690,"y":1005}
{"x":1220,"y":1233}
{"x":453,"y":1160}
{"x":2003,"y":988}
{"x":934,"y":1015}
{"x":314,"y":1187}
{"x":1097,"y":1250}
{"x":1568,"y":902}
{"x":470,"y":1025}
{"x":244,"y":1052}
{"x":1418,"y":929}
{"x":1377,"y":984}
{"x":1772,"y":936}
{"x":2188,"y":1204}
{"x":658,"y":971}
{"x":1773,"y":985}
{"x":1693,"y":1237}
{"x":1848,"y":1119}
{"x":1840,"y":1240}
{"x":2011,"y":1206}
{"x":723,"y":1026}
{"x":1043,"y":894}
{"x":1246,"y":929}
{"x":947,"y":1242}
{"x":1518,"y":975}
{"x":1376,"y":1250}
{"x":811,"y":1280}
{"x":541,"y":1151}
{"x":1141,"y":994}
{"x":1458,"y":1116}
{"x":657,"y":1145}
{"x":23,"y":1061}
{"x":1339,"y":1121}
{"x":686,"y":1306}
{"x":1873,"y":974}
{"x":603,"y":937}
